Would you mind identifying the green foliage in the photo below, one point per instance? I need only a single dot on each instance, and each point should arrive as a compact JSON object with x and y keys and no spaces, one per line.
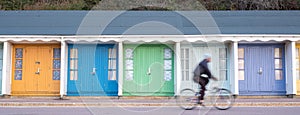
{"x":251,"y":4}
{"x":47,"y":4}
{"x":90,"y":4}
{"x":150,"y":8}
{"x":14,"y":4}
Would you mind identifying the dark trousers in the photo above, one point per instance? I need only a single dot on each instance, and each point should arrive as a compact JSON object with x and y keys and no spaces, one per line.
{"x":203,"y":82}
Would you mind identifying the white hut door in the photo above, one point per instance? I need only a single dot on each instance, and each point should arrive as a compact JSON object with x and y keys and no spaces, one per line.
{"x":191,"y":57}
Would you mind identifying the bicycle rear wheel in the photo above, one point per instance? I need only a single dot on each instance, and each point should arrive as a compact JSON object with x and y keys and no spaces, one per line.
{"x":186,"y":99}
{"x":223,"y":99}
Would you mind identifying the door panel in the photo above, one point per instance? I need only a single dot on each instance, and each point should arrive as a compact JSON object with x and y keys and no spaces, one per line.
{"x":44,"y":68}
{"x":266,"y":79}
{"x":86,"y":65}
{"x":260,"y":71}
{"x":18,"y":82}
{"x":35,"y":66}
{"x":30,"y":69}
{"x":298,"y":87}
{"x":150,"y":70}
{"x":298,"y":68}
{"x":107,"y":61}
{"x":54,"y":84}
{"x":102,"y":65}
{"x":150,"y":74}
{"x":253,"y":65}
{"x":92,"y":71}
{"x":191,"y":56}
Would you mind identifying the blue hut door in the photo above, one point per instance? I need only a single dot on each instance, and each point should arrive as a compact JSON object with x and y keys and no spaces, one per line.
{"x":106,"y":66}
{"x":81,"y":66}
{"x":261,"y":70}
{"x":92,"y":70}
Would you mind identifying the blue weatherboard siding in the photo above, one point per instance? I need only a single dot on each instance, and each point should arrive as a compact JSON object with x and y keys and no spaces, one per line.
{"x":228,"y":22}
{"x":88,"y":83}
{"x":256,"y":57}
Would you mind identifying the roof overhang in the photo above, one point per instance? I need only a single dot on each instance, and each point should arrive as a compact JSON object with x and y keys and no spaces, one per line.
{"x":149,"y":38}
{"x":30,"y":39}
{"x":182,"y":38}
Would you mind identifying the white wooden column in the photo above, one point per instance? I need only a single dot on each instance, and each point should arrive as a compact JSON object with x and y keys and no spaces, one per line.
{"x":234,"y":68}
{"x":294,"y":68}
{"x":6,"y":71}
{"x":63,"y":69}
{"x":120,"y":69}
{"x":290,"y":68}
{"x":178,"y":74}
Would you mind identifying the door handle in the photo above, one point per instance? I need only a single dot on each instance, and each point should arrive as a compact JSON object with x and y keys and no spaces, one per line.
{"x":260,"y":70}
{"x":149,"y":71}
{"x":38,"y":71}
{"x":93,"y":71}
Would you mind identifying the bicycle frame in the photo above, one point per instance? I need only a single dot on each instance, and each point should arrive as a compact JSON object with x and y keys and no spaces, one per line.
{"x":220,"y":98}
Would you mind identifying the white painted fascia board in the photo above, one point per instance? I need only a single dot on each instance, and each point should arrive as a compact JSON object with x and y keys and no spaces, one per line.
{"x":87,"y":39}
{"x":194,"y":38}
{"x":30,"y":38}
{"x":153,"y":38}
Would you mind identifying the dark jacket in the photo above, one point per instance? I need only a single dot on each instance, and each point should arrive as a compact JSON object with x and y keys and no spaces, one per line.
{"x":204,"y":67}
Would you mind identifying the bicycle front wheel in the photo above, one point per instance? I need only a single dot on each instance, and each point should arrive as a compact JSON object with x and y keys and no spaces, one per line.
{"x":186,"y":99}
{"x":223,"y":99}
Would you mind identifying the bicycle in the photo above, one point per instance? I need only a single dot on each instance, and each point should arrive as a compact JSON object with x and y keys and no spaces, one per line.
{"x":221,"y":98}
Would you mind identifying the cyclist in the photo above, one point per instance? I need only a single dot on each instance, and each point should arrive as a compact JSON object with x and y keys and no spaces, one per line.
{"x":202,"y":75}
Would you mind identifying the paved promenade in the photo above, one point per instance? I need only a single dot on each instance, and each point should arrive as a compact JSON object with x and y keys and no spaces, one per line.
{"x":135,"y":101}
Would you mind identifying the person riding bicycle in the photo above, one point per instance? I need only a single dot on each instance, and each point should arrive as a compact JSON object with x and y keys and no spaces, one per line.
{"x":202,"y":75}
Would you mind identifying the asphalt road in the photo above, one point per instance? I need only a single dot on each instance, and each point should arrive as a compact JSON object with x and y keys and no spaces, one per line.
{"x":147,"y":111}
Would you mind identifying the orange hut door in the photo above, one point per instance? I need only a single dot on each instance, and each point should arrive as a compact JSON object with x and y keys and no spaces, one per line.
{"x":29,"y":69}
{"x":33,"y":70}
{"x":298,"y":69}
{"x":43,"y":70}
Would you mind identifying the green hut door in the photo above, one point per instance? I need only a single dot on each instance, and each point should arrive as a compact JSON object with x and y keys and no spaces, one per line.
{"x":151,"y":72}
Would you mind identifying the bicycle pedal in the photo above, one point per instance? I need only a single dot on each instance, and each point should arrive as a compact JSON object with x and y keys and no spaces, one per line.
{"x":201,"y":103}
